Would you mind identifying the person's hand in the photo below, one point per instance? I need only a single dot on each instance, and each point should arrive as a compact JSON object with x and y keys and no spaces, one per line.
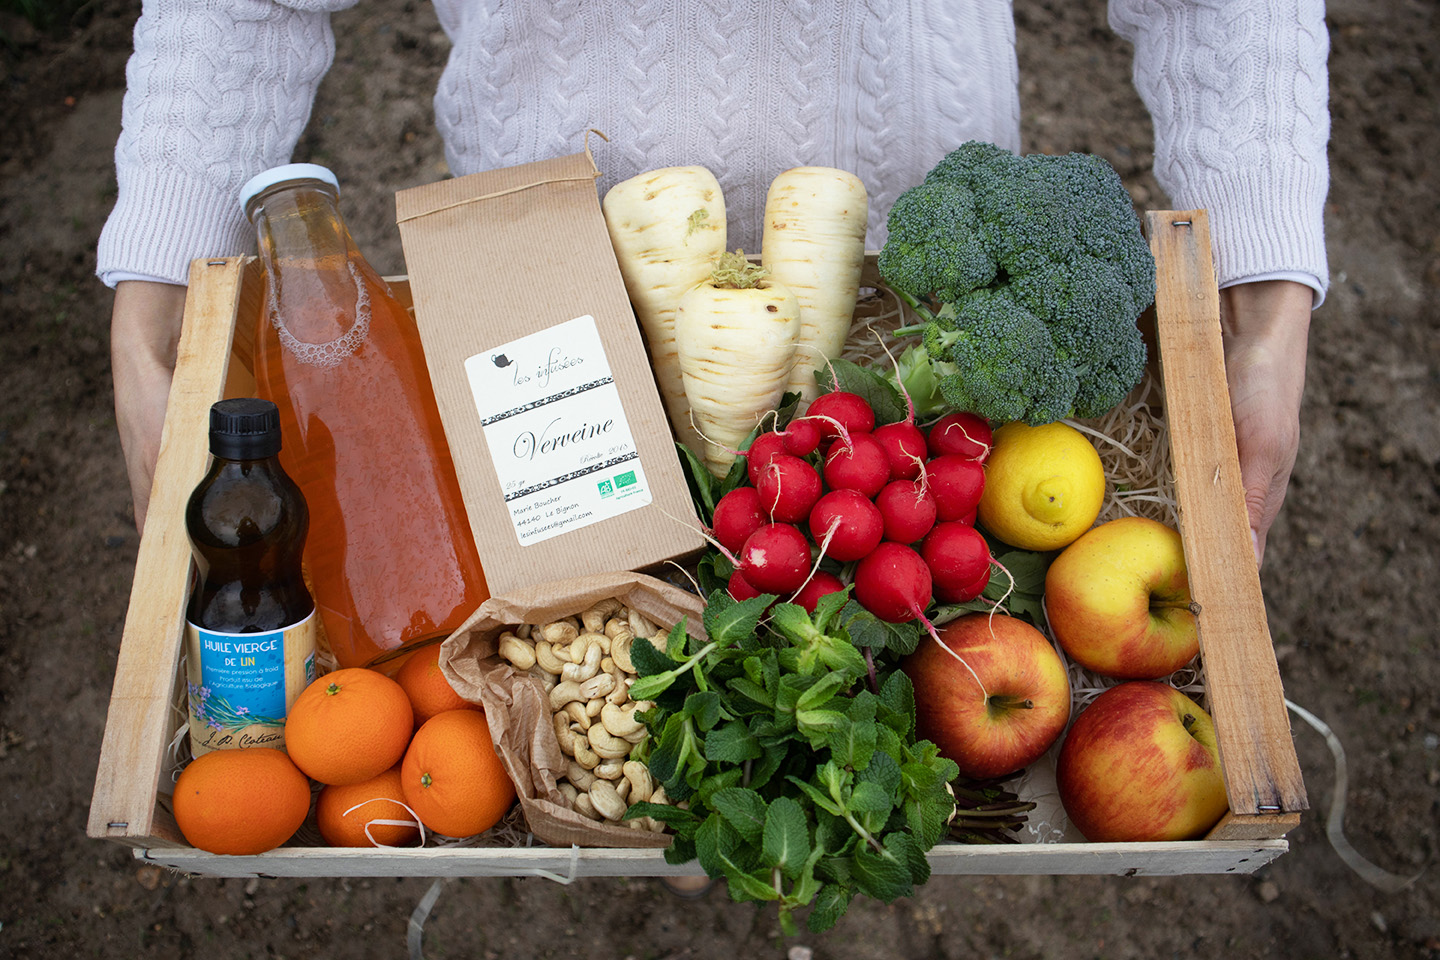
{"x":144,"y":332}
{"x":1266,"y":326}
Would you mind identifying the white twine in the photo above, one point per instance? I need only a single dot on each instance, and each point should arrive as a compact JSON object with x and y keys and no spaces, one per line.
{"x":1378,"y":878}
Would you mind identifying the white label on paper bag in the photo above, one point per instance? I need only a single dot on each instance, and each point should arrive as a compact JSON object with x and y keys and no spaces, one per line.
{"x":557,"y":433}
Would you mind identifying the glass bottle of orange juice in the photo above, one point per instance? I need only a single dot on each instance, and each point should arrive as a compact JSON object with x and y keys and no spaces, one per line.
{"x":390,"y":556}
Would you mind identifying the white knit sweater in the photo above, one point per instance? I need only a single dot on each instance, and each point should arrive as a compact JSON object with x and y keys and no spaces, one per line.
{"x":220,"y":89}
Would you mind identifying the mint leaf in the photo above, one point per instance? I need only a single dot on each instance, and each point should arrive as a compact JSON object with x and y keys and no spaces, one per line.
{"x":830,"y":905}
{"x":731,"y":743}
{"x":793,"y":622}
{"x":648,"y":661}
{"x":727,"y":621}
{"x":817,"y":796}
{"x":715,"y":843}
{"x":828,"y":606}
{"x":837,"y":654}
{"x":748,"y":886}
{"x":664,"y":812}
{"x":743,"y":809}
{"x":885,"y":772}
{"x":853,"y":744}
{"x":704,"y":707}
{"x":897,"y":694}
{"x":884,"y":878}
{"x":821,"y":692}
{"x":904,"y":848}
{"x":648,"y":688}
{"x":760,"y":773}
{"x":877,"y":391}
{"x":870,"y":797}
{"x":785,"y":840}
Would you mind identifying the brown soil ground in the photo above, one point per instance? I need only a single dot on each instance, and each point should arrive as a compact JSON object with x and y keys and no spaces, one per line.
{"x":1351,"y":579}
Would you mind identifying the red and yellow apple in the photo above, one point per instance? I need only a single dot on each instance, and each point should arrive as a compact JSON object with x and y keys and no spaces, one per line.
{"x":993,"y":695}
{"x":1141,"y":763}
{"x":1118,"y":600}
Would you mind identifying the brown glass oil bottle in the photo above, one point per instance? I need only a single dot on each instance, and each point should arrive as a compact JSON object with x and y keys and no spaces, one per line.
{"x":250,"y":623}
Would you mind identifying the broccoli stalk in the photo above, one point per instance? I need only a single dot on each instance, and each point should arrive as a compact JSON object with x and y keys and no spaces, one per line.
{"x":1039,"y":271}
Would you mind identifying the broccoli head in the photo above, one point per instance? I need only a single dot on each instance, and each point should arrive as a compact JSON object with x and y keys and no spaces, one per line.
{"x":994,"y":244}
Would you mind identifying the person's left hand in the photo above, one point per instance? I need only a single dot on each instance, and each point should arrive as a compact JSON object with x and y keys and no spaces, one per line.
{"x":1266,"y":326}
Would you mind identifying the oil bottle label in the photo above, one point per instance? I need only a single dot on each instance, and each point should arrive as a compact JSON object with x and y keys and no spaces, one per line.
{"x":242,"y":684}
{"x":557,"y":432}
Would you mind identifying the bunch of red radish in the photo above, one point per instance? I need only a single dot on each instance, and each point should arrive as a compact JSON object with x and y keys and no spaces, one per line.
{"x":897,"y":502}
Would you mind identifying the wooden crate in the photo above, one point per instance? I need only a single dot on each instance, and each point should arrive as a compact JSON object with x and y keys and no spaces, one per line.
{"x":1263,"y":780}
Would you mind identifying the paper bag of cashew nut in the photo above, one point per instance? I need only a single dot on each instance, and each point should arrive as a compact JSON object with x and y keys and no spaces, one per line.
{"x":552,"y":661}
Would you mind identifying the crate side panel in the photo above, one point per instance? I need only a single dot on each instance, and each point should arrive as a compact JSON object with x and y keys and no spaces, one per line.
{"x":1116,"y":859}
{"x":139,"y":722}
{"x":1242,"y":679}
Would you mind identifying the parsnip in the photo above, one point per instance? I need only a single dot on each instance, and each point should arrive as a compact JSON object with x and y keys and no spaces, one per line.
{"x":668,"y":228}
{"x":814,"y":243}
{"x":736,"y":335}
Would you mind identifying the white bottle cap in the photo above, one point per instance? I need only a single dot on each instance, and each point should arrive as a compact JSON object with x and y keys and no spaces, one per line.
{"x":282,"y":174}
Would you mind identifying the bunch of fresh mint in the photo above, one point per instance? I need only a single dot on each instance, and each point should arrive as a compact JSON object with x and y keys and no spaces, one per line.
{"x":790,"y":737}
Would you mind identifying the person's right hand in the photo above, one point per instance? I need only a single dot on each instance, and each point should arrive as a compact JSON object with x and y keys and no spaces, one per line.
{"x":144,"y":332}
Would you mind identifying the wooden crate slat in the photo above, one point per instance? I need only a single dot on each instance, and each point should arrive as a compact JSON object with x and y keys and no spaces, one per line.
{"x":139,"y":722}
{"x":1242,"y":679}
{"x":1038,"y":859}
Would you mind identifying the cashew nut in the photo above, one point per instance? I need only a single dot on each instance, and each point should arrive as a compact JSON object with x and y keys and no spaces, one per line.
{"x":659,"y":795}
{"x":642,"y":627}
{"x":568,"y":791}
{"x":564,"y":734}
{"x":520,"y":654}
{"x":546,"y":679}
{"x":611,"y":769}
{"x":642,"y":785}
{"x":578,"y":775}
{"x":622,"y":787}
{"x":586,"y":666}
{"x":586,"y":808}
{"x":546,"y":659}
{"x":620,"y":653}
{"x":596,"y":686}
{"x":593,"y":707}
{"x":606,"y":745}
{"x":564,"y":692}
{"x":615,"y":629}
{"x":523,"y":631}
{"x":575,"y":710}
{"x":620,"y":721}
{"x":584,"y":755}
{"x":606,"y":801}
{"x":594,"y":618}
{"x":607,"y":665}
{"x":558,"y":632}
{"x":621,"y":693}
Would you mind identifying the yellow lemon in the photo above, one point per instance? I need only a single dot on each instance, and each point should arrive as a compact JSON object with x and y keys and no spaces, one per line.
{"x":1044,"y":486}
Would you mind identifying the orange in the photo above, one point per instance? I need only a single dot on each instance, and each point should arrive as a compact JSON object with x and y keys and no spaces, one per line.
{"x":452,"y":777}
{"x":343,"y":813}
{"x":348,"y":726}
{"x":429,"y":692}
{"x":241,"y":802}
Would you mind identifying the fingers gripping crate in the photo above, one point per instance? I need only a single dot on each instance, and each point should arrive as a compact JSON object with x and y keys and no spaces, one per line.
{"x":1243,"y":689}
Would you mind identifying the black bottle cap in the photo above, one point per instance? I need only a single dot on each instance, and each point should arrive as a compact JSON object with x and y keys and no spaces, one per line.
{"x":244,"y":428}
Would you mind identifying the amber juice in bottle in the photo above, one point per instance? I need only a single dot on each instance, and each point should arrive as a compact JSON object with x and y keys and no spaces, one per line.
{"x":250,"y":624}
{"x":391,"y":558}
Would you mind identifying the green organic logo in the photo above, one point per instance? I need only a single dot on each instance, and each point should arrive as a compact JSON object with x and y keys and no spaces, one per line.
{"x":625,"y":479}
{"x":606,"y":489}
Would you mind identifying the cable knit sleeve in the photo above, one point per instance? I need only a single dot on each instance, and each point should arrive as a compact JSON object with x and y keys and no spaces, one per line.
{"x":216,"y":91}
{"x":1239,"y":94}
